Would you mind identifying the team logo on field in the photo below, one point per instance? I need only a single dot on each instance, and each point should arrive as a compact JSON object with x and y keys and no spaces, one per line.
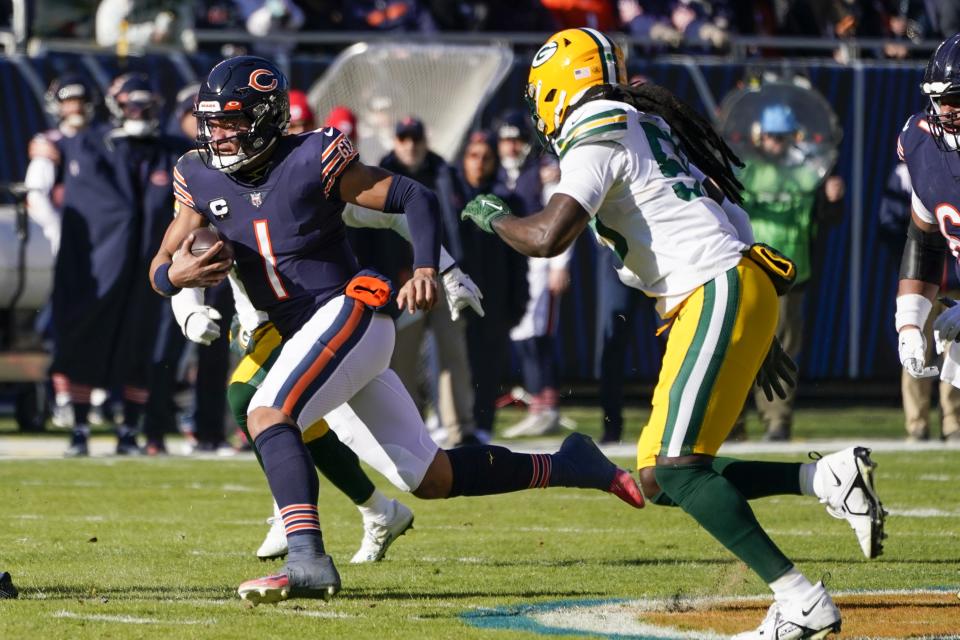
{"x":255,"y":198}
{"x":921,"y":613}
{"x":269,"y":83}
{"x":219,"y":207}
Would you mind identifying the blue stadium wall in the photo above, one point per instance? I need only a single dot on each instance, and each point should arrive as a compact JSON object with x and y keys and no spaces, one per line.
{"x":890,"y":96}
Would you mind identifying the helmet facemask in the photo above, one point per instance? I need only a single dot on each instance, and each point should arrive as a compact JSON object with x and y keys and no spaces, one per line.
{"x":945,"y":125}
{"x":138,"y":114}
{"x":60,"y":99}
{"x":256,"y":130}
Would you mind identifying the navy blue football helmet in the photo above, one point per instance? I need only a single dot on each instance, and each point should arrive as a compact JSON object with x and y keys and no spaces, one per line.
{"x":246,"y":88}
{"x":941,"y":83}
{"x":70,"y":87}
{"x":134,"y":104}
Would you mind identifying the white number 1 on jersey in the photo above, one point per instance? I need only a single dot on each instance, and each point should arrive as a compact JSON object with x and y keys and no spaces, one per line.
{"x":261,"y":229}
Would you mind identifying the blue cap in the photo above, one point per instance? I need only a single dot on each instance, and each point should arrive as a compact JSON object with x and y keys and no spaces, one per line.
{"x":778,"y":118}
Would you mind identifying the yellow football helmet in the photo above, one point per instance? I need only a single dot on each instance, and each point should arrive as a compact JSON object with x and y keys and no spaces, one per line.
{"x":568,"y":64}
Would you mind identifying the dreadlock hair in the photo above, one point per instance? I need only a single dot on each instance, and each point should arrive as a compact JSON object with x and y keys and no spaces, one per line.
{"x":698,"y":139}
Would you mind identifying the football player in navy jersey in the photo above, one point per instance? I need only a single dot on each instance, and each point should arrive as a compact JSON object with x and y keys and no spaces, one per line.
{"x":930,"y":146}
{"x":150,"y":155}
{"x":71,"y":102}
{"x":278,"y":201}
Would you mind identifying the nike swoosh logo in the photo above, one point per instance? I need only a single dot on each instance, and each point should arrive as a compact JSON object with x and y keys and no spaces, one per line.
{"x":835,"y":477}
{"x":492,"y":205}
{"x":806,"y":612}
{"x":328,"y":132}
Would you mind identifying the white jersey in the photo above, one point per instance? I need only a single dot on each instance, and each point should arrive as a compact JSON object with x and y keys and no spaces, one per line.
{"x":626,"y":169}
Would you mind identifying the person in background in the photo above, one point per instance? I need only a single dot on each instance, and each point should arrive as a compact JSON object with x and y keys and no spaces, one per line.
{"x":262,"y":18}
{"x":344,"y":120}
{"x":534,"y":337}
{"x":412,"y":157}
{"x":139,"y":24}
{"x":387,"y":15}
{"x":135,"y":107}
{"x":301,"y":115}
{"x":500,"y":273}
{"x":71,"y":101}
{"x":788,"y":205}
{"x":111,"y":188}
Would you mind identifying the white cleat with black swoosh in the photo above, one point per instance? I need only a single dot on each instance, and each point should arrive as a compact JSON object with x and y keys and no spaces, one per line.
{"x":844,"y":483}
{"x":814,"y":616}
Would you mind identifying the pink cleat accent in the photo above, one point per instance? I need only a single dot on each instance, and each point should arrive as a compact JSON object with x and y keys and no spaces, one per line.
{"x":625,"y":488}
{"x":266,"y":590}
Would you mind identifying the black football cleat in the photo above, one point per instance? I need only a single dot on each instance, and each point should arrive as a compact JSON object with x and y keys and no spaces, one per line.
{"x":7,"y":590}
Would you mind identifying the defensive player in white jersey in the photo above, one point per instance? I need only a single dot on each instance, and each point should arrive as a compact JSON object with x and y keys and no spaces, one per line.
{"x":680,"y":237}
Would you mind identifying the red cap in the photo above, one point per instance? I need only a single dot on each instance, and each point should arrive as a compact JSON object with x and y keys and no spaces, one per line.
{"x":344,"y":120}
{"x":300,"y":110}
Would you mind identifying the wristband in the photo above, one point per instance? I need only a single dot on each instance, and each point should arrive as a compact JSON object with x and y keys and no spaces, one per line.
{"x":912,"y":309}
{"x":161,"y":280}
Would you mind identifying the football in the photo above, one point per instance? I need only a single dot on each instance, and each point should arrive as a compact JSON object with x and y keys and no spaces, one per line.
{"x":203,"y":239}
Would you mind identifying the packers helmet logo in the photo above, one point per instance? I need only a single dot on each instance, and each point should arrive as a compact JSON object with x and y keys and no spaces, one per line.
{"x":256,"y":83}
{"x":546,"y":52}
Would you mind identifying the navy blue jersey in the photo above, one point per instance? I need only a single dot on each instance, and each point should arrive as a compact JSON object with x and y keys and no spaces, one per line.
{"x":98,"y":258}
{"x":290,"y":240}
{"x":935,"y":176}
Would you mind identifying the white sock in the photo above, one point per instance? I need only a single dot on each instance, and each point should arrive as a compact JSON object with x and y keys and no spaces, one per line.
{"x":807,"y":472}
{"x":376,"y":508}
{"x":792,"y":585}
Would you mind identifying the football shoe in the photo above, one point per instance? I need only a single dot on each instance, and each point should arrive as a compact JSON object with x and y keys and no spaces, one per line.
{"x":7,"y":589}
{"x":586,"y":467}
{"x":812,"y":617}
{"x":535,"y":424}
{"x":275,"y":544}
{"x":844,"y":483}
{"x":378,"y":537}
{"x":127,"y":445}
{"x":78,"y":446}
{"x":317,"y":578}
{"x":62,"y":416}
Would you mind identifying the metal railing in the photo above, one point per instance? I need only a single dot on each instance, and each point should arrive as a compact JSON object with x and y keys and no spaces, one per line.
{"x":739,"y":47}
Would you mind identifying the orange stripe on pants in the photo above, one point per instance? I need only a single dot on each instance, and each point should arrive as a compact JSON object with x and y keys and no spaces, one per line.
{"x":326,"y":356}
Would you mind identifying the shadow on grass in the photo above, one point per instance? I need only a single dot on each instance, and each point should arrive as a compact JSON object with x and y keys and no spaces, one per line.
{"x":227,"y":594}
{"x":668,"y":562}
{"x":133,"y":592}
{"x":396,"y":594}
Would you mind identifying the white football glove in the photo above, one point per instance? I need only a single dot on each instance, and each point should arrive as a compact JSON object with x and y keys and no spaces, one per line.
{"x":201,"y":325}
{"x":462,"y":292}
{"x":946,"y":328}
{"x":912,"y":347}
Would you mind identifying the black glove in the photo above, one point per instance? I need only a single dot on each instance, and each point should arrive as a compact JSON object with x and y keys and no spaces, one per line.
{"x":778,"y":372}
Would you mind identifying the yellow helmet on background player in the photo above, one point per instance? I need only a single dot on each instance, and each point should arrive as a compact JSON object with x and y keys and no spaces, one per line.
{"x":569,"y":63}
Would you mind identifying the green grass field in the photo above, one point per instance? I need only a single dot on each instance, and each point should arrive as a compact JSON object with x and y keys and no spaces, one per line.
{"x":117,"y":548}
